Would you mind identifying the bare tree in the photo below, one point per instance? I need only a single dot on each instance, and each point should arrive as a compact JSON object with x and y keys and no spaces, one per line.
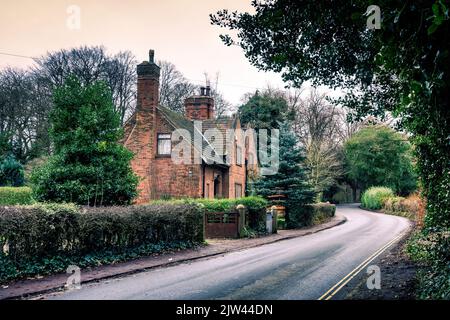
{"x":317,"y":124}
{"x":121,"y":77}
{"x":24,"y":108}
{"x":222,"y":107}
{"x":91,"y":64}
{"x":174,"y":88}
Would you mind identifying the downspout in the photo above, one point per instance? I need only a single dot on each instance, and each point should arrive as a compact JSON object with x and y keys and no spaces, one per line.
{"x":203,"y":179}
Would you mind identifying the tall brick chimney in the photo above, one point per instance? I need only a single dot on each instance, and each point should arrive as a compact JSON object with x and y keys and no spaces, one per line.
{"x":141,"y":137}
{"x":200,"y":107}
{"x":147,"y":84}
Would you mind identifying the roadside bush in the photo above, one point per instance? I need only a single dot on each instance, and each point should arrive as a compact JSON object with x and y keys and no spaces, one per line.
{"x":373,"y":197}
{"x":322,"y":212}
{"x":298,"y":217}
{"x":432,"y":251}
{"x":15,"y":195}
{"x":406,"y":207}
{"x":42,"y":238}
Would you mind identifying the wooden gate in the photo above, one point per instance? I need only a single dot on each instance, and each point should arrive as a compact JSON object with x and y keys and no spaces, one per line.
{"x":222,"y":225}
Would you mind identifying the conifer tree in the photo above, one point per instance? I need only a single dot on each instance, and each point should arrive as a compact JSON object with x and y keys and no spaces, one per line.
{"x":89,"y":165}
{"x":290,"y":181}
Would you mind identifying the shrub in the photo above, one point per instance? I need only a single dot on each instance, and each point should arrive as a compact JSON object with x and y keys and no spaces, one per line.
{"x":11,"y":172}
{"x":40,"y":236}
{"x":15,"y":195}
{"x":406,"y":207}
{"x":89,"y":165}
{"x":432,"y":251}
{"x":373,"y":197}
{"x":297,"y":217}
{"x":322,"y":211}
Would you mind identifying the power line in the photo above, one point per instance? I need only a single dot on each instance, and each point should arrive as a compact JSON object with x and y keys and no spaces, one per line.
{"x":17,"y":55}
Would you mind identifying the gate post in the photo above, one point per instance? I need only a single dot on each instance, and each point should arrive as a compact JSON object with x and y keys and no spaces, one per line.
{"x":241,"y":209}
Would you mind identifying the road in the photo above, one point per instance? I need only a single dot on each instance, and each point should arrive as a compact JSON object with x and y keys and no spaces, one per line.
{"x":299,"y":268}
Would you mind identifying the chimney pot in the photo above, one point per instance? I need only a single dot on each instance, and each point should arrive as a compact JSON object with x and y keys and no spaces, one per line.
{"x":151,"y":55}
{"x":202,"y":91}
{"x":208,"y":91}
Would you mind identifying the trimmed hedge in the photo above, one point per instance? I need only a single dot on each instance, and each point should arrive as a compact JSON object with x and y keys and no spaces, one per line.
{"x":45,"y":238}
{"x":16,"y":195}
{"x":255,"y":205}
{"x":374,"y":197}
{"x":322,"y":212}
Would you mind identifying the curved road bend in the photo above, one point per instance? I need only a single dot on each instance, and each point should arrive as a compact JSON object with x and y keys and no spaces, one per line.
{"x":299,"y":268}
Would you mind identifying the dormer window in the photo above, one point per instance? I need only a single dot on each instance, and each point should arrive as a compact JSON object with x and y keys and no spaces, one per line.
{"x":164,"y":144}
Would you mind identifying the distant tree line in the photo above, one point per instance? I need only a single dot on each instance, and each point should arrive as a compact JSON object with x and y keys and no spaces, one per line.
{"x":26,"y":94}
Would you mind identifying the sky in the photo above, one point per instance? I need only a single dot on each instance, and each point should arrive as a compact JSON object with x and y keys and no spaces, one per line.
{"x":178,"y":30}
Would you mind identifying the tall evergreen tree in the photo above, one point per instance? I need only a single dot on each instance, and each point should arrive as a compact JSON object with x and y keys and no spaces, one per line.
{"x":290,"y":181}
{"x":89,"y":165}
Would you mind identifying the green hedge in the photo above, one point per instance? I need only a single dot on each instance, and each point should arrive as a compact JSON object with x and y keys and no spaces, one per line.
{"x":255,"y":205}
{"x":15,"y":195}
{"x":322,"y":212}
{"x":432,"y":252}
{"x":47,"y":238}
{"x":374,"y":197}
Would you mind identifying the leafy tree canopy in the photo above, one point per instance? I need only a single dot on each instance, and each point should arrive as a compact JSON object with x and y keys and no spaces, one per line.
{"x":263,"y":111}
{"x":378,"y":156}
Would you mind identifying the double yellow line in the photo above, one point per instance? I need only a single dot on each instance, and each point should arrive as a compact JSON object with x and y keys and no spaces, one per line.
{"x":338,"y":286}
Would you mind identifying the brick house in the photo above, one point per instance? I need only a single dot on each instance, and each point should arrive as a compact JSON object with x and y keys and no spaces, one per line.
{"x":153,"y":131}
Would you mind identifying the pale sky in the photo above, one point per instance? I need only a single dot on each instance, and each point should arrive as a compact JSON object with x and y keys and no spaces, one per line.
{"x":178,"y":30}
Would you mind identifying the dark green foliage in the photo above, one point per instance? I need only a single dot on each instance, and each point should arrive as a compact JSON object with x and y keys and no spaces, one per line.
{"x":263,"y":111}
{"x":90,"y":166}
{"x":377,"y":155}
{"x":432,"y":251}
{"x":290,"y":181}
{"x":322,"y":211}
{"x":15,"y":195}
{"x":38,"y":236}
{"x":11,"y":172}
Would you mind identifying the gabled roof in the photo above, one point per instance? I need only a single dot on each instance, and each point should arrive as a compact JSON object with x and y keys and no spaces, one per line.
{"x":178,"y":121}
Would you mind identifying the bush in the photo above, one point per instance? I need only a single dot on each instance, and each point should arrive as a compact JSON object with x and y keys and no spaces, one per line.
{"x":11,"y":172}
{"x":39,"y":237}
{"x":432,"y":251}
{"x":15,"y":195}
{"x":406,"y":207}
{"x":373,"y":197}
{"x":89,"y":165}
{"x":298,"y":217}
{"x":322,"y":212}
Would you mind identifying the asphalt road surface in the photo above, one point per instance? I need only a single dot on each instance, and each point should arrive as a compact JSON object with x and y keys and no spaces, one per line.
{"x":300,"y":268}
